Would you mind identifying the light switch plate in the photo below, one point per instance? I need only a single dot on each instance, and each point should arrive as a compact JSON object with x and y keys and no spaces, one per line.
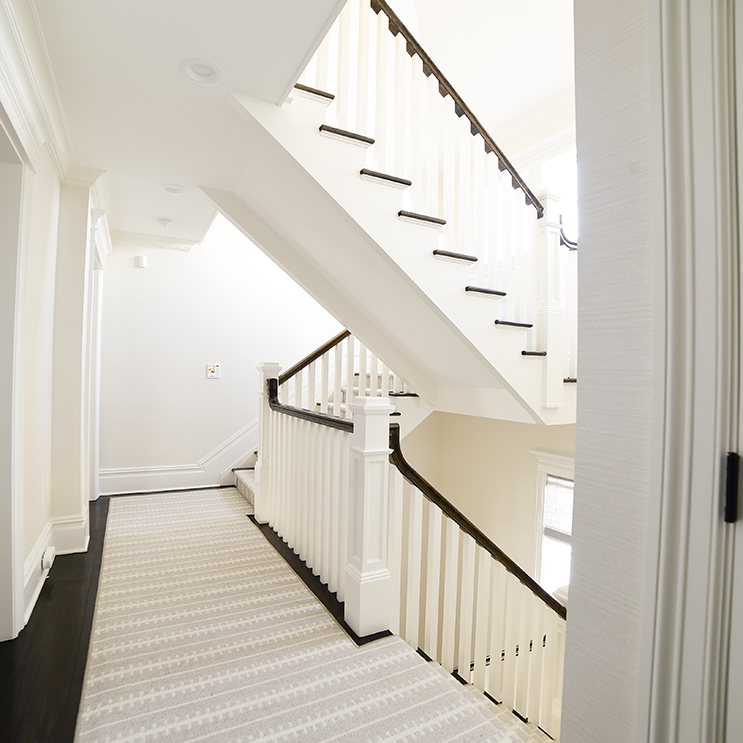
{"x":212,"y":371}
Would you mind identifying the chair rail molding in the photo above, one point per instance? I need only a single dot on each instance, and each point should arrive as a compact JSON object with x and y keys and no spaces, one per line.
{"x":687,"y":597}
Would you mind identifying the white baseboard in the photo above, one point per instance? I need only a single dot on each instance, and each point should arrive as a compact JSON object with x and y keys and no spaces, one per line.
{"x":70,"y":534}
{"x":33,"y":575}
{"x":211,"y":470}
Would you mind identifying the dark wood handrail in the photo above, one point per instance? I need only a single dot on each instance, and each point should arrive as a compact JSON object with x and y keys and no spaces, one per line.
{"x":314,"y":356}
{"x":322,"y":419}
{"x":429,"y":492}
{"x":566,"y":241}
{"x":446,"y":88}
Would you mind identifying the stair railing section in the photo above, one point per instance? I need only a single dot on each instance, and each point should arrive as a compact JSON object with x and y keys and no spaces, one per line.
{"x":467,"y":605}
{"x":335,"y":373}
{"x":321,"y":484}
{"x":387,"y":88}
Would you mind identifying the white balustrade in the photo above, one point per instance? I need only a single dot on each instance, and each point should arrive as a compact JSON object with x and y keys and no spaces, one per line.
{"x":383,"y":92}
{"x":344,"y":371}
{"x":465,"y":610}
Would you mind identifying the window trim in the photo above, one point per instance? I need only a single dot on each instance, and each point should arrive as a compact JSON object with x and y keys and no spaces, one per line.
{"x":556,"y":465}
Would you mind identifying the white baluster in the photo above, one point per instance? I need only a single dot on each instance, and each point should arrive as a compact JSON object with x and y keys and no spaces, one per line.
{"x":395,"y":546}
{"x":346,"y":67}
{"x":415,"y":546}
{"x":338,"y":378}
{"x":325,"y":383}
{"x":384,"y":93}
{"x":522,"y":664}
{"x":399,"y":108}
{"x":451,"y":578}
{"x":373,"y":376}
{"x":362,"y":371}
{"x":513,"y":617}
{"x":537,"y":610}
{"x":311,"y":393}
{"x":450,"y":146}
{"x":483,"y":603}
{"x":549,"y":667}
{"x":479,"y":197}
{"x":344,"y":492}
{"x":364,"y":75}
{"x":418,"y":133}
{"x":464,"y":186}
{"x":298,"y":388}
{"x":467,"y":601}
{"x":433,"y":204}
{"x":350,"y":363}
{"x":497,"y":631}
{"x":433,"y":578}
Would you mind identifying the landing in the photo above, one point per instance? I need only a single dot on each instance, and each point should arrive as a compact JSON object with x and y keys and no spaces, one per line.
{"x":203,"y":633}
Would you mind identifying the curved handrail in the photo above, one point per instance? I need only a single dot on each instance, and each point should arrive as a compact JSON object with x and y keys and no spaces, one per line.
{"x":322,"y":419}
{"x":462,"y":109}
{"x":426,"y":489}
{"x":314,"y":356}
{"x":566,"y":241}
{"x":429,"y":492}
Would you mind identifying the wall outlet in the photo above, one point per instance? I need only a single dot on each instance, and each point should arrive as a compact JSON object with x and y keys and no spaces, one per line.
{"x":212,"y":371}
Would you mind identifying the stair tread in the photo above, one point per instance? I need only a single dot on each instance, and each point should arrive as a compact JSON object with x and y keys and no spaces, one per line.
{"x":512,"y":324}
{"x":421,"y":217}
{"x":458,"y":256}
{"x":533,"y":353}
{"x":484,"y":290}
{"x":376,"y":175}
{"x":314,"y":91}
{"x":327,"y":129}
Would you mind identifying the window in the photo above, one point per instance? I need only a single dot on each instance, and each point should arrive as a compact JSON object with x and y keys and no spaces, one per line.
{"x":556,"y":532}
{"x":554,"y":520}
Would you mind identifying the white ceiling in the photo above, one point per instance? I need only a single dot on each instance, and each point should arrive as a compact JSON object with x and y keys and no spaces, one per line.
{"x":131,"y":113}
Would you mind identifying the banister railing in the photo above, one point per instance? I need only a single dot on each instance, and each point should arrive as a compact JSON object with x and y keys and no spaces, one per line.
{"x":398,"y":554}
{"x":321,"y":419}
{"x":314,"y":356}
{"x":396,"y":26}
{"x":430,"y":493}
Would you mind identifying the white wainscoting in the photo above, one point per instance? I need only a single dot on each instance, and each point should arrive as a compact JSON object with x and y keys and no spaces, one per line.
{"x":215,"y":468}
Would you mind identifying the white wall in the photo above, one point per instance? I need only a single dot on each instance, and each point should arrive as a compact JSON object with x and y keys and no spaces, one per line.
{"x":484,"y":468}
{"x":163,"y":423}
{"x":612,"y":485}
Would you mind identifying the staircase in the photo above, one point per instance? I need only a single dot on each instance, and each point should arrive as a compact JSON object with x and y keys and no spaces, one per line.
{"x":379,"y":191}
{"x":394,"y":551}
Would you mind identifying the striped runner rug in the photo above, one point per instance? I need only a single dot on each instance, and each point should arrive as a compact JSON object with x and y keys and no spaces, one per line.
{"x":203,"y":633}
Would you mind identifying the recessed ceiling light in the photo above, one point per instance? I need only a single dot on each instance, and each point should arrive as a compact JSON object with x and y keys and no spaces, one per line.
{"x":165,"y":222}
{"x":172,"y":188}
{"x":201,"y":71}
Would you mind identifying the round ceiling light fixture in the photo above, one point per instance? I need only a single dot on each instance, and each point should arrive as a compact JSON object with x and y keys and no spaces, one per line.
{"x":200,"y":71}
{"x":165,"y":222}
{"x":172,"y":188}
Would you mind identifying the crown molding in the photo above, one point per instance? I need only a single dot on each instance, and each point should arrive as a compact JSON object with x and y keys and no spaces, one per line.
{"x":140,"y":240}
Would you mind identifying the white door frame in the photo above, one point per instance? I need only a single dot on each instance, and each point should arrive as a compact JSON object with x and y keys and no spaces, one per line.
{"x":685,"y":632}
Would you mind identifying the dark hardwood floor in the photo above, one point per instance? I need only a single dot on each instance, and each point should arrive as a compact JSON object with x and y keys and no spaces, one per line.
{"x":42,"y":670}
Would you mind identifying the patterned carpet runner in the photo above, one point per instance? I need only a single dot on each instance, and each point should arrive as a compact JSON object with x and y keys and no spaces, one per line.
{"x":203,"y":633}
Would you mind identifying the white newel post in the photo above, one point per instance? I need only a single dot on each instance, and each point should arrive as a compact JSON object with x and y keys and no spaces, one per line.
{"x":550,"y":302}
{"x":262,"y":500}
{"x":368,"y":581}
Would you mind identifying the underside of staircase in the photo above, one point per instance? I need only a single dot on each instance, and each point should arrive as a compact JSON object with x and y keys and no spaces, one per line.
{"x":343,"y":235}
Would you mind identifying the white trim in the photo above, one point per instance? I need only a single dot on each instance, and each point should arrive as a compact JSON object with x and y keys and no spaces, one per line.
{"x":685,"y":645}
{"x":211,"y":470}
{"x":556,"y":465}
{"x":33,"y":574}
{"x":70,"y":534}
{"x":176,"y":469}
